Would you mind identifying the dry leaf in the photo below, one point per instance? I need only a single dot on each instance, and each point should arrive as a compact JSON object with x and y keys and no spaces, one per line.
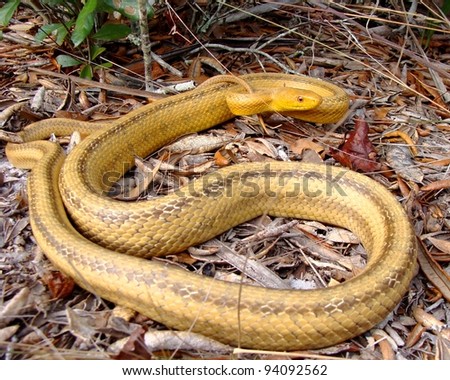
{"x":433,"y":271}
{"x":131,"y":347}
{"x":431,"y":322}
{"x":252,"y":268}
{"x":11,"y":309}
{"x":334,"y":234}
{"x":415,"y":335}
{"x":302,"y":144}
{"x":406,"y":138}
{"x":262,"y":147}
{"x":60,"y":286}
{"x":8,"y":332}
{"x":386,"y":343}
{"x":182,"y":340}
{"x":84,"y":324}
{"x":399,"y":158}
{"x":196,"y":144}
{"x":442,"y":348}
{"x":436,"y":185}
{"x":220,"y":160}
{"x":358,"y":152}
{"x":442,"y":245}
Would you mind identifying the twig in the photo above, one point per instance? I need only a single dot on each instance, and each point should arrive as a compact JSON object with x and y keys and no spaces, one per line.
{"x":164,"y":64}
{"x":145,"y":44}
{"x":104,"y":86}
{"x":256,"y":10}
{"x":253,"y":269}
{"x":247,"y":50}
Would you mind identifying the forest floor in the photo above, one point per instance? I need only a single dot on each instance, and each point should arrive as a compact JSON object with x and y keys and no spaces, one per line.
{"x":393,"y":63}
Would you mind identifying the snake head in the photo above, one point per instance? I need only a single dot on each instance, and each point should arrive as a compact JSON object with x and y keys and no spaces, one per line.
{"x":278,"y":99}
{"x":287,"y":99}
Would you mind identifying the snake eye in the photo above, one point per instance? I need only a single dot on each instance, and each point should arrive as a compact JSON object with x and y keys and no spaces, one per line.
{"x":300,"y":99}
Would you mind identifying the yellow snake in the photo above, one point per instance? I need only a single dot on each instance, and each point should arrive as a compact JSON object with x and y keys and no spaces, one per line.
{"x":235,"y":314}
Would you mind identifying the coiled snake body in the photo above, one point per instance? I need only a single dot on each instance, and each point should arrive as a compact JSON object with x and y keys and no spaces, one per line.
{"x":240,"y":315}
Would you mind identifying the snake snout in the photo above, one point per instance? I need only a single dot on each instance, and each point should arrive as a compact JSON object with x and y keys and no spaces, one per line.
{"x":293,"y":99}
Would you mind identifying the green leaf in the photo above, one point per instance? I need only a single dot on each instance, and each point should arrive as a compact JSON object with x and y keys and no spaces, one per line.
{"x":58,"y":30}
{"x":128,"y":8}
{"x":7,"y":11}
{"x":45,"y":30}
{"x":86,"y":72}
{"x":112,"y":32}
{"x":85,"y":22}
{"x":67,"y":61}
{"x":96,"y":51}
{"x":106,"y":65}
{"x":53,"y":2}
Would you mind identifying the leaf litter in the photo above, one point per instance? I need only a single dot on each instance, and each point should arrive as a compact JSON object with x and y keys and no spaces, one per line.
{"x":398,"y":86}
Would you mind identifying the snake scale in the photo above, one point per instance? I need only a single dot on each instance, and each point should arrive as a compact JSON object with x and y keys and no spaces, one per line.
{"x":89,"y":247}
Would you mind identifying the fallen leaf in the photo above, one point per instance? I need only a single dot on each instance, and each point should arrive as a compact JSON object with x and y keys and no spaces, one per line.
{"x":442,"y":245}
{"x":385,"y":343}
{"x":262,"y":147}
{"x":358,"y":152}
{"x":220,"y":159}
{"x":84,"y":324}
{"x":8,"y":332}
{"x":59,"y":285}
{"x":131,"y":347}
{"x":399,"y":158}
{"x":437,"y":185}
{"x":438,"y":277}
{"x":182,"y":340}
{"x":11,"y":309}
{"x":302,"y":144}
{"x":415,"y":335}
{"x":431,"y":322}
{"x":442,"y":348}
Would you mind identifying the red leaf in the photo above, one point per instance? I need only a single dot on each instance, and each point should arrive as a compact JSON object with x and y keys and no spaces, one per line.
{"x":59,"y":285}
{"x":357,"y":153}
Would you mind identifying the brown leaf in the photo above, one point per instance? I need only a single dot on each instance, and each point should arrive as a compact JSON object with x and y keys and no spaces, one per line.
{"x":386,"y":349}
{"x":12,"y":308}
{"x":415,"y":335}
{"x":132,"y":347}
{"x":71,"y":115}
{"x":399,"y":158}
{"x":182,"y":340}
{"x":437,"y":185}
{"x":301,"y":144}
{"x":59,"y":285}
{"x":431,"y":322}
{"x":442,"y":348}
{"x":442,"y":245}
{"x":220,"y":159}
{"x":438,"y":277}
{"x":262,"y":147}
{"x":358,"y":153}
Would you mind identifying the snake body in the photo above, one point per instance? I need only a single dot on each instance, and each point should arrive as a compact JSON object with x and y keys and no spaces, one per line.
{"x":236,"y":314}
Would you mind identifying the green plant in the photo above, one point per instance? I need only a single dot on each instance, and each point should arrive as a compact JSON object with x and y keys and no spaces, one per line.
{"x":428,"y":33}
{"x":81,"y":24}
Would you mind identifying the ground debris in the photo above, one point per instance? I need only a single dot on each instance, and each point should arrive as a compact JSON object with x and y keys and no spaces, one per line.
{"x":397,"y":77}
